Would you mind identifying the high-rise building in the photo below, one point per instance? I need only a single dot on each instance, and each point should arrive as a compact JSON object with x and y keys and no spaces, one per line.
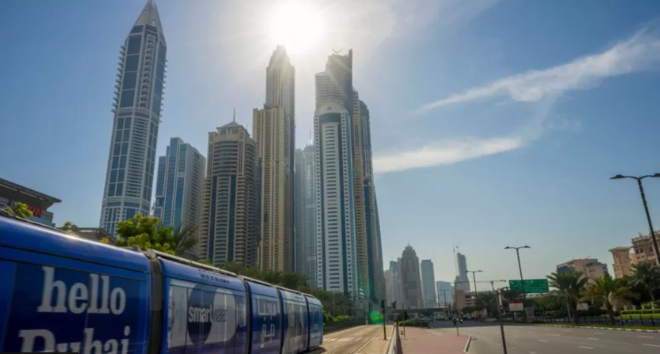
{"x":137,"y":111}
{"x":335,"y":218}
{"x":229,"y":225}
{"x":411,"y":282}
{"x":179,"y":186}
{"x":304,"y":214}
{"x":273,"y":130}
{"x":445,"y":293}
{"x":366,"y":273}
{"x":643,"y":246}
{"x":394,"y":284}
{"x":428,"y":283}
{"x":589,"y":267}
{"x":335,"y":84}
{"x":462,"y":281}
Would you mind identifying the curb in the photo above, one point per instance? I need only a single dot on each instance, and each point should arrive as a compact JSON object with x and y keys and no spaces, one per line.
{"x":602,"y":328}
{"x":467,"y":344}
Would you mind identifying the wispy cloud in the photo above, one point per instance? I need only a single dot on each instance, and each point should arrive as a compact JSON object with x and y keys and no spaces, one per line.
{"x":637,"y":53}
{"x":445,"y":153}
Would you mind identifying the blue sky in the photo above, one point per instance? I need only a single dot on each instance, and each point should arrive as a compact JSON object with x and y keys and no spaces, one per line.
{"x":494,"y":123}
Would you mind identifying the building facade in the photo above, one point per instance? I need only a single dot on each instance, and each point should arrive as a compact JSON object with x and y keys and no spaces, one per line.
{"x":589,"y":267}
{"x":623,"y":261}
{"x":335,"y":218}
{"x":137,"y":111}
{"x":445,"y":293}
{"x":38,"y":203}
{"x":229,"y":222}
{"x":428,"y":284}
{"x":179,"y":185}
{"x":462,"y":282}
{"x":305,"y":214}
{"x":411,"y":282}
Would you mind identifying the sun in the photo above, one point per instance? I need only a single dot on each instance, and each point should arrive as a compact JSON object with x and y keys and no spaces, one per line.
{"x":297,"y":25}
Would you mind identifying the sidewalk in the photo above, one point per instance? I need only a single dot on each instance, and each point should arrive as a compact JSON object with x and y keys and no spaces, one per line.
{"x":425,"y":341}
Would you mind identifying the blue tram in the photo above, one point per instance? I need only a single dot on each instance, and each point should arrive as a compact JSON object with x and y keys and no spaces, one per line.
{"x":59,"y":293}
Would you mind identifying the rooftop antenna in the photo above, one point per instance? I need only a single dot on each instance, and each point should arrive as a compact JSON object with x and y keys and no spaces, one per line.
{"x":336,"y":51}
{"x":234,"y":120}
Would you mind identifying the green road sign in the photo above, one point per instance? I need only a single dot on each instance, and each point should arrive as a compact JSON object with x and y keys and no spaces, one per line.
{"x":532,"y":286}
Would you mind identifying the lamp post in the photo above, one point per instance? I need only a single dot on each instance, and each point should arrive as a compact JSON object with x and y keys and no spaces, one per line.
{"x":474,"y":278}
{"x":522,"y":282}
{"x":646,"y":209}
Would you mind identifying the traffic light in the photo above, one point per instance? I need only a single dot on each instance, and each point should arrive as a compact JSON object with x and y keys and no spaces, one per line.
{"x":394,"y":305}
{"x":382,"y":304}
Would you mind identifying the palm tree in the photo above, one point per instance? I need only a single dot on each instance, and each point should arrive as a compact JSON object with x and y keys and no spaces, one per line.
{"x":613,"y":293}
{"x":646,"y":275}
{"x":569,"y":286}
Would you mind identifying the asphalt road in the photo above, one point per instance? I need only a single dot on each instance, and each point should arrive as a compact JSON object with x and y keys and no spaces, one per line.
{"x":486,"y":339}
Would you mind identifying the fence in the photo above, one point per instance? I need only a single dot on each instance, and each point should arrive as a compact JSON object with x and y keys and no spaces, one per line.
{"x":622,"y":320}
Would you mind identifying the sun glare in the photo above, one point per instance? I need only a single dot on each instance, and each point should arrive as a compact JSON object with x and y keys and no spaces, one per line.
{"x":296,"y":25}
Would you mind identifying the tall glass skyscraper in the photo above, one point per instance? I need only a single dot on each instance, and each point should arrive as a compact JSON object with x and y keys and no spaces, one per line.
{"x":428,"y":283}
{"x":138,"y":100}
{"x":179,"y":186}
{"x":305,"y":211}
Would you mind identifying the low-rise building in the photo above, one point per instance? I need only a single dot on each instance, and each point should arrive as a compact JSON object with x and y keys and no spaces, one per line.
{"x":37,"y":202}
{"x":589,"y":267}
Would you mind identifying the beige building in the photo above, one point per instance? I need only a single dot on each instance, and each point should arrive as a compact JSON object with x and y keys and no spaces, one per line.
{"x":643,"y":246}
{"x":271,"y":133}
{"x":589,"y":267}
{"x":228,"y":228}
{"x":623,"y":261}
{"x":463,"y":299}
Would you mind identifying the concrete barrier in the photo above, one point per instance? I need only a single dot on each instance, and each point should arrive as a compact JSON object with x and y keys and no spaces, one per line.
{"x":395,"y":343}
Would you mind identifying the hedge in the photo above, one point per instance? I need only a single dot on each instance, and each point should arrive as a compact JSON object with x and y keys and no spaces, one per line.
{"x":640,"y":312}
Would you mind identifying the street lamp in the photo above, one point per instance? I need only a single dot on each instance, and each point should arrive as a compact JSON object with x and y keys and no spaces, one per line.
{"x":522,"y":283}
{"x":474,"y":278}
{"x":646,"y":209}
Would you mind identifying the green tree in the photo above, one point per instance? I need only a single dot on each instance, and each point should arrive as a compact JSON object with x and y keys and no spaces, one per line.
{"x":69,"y":226}
{"x":569,"y":287}
{"x":613,"y":293}
{"x":646,"y":275}
{"x":144,"y":232}
{"x":19,"y":210}
{"x":184,"y":239}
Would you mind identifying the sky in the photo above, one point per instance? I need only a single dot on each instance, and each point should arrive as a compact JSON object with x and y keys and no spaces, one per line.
{"x":494,"y":123}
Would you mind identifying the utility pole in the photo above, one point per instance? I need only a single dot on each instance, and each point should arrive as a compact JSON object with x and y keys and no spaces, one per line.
{"x":382,"y":305}
{"x":499,"y":312}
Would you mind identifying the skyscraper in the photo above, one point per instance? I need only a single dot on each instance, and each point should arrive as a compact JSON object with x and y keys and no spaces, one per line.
{"x":229,"y":227}
{"x":137,"y":108}
{"x":394,"y":284}
{"x":305,"y":219}
{"x":411,"y":282}
{"x":335,"y":84}
{"x":273,"y":130}
{"x":428,"y":283}
{"x":179,"y":186}
{"x":335,"y":218}
{"x":462,"y":281}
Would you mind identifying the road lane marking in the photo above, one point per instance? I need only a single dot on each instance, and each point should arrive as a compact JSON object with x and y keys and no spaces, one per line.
{"x":651,"y":345}
{"x":585,"y":347}
{"x":646,"y":337}
{"x":345,"y":339}
{"x":543,"y":340}
{"x":593,"y":338}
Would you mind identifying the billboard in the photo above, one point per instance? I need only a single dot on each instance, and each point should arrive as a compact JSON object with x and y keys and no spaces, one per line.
{"x":516,"y":306}
{"x":531,"y":286}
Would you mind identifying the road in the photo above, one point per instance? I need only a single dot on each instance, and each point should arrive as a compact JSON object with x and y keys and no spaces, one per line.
{"x":350,"y":340}
{"x":486,"y":339}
